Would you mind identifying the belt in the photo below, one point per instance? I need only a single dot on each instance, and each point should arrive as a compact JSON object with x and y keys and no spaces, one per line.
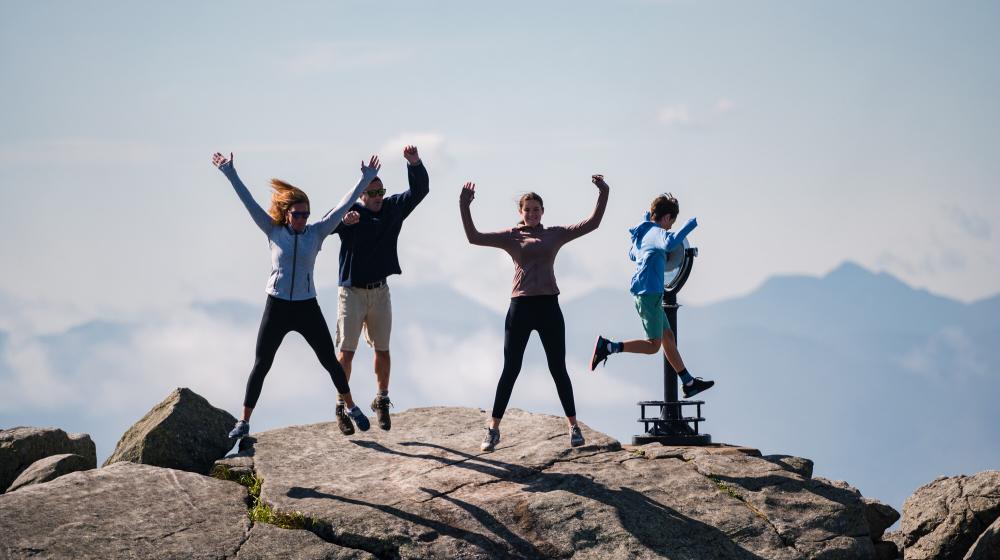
{"x":373,"y":285}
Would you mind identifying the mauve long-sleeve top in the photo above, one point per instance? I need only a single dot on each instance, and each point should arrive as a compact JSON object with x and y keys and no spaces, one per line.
{"x":533,"y":249}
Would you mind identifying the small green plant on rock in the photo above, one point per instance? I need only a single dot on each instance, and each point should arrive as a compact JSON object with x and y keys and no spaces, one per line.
{"x":259,"y":511}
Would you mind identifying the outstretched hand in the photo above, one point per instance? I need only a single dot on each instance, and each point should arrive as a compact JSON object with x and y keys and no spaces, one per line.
{"x":219,"y":160}
{"x":370,"y":171}
{"x":599,"y":181}
{"x":352,"y":218}
{"x":468,"y":193}
{"x":411,"y":155}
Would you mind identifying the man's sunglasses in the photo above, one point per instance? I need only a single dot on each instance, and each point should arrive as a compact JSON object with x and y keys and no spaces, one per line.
{"x":375,"y":192}
{"x":299,"y":215}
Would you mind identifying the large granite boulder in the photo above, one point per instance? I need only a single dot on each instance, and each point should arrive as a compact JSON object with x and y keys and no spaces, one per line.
{"x":183,"y":432}
{"x":22,"y":446}
{"x":125,"y":511}
{"x":987,"y":546}
{"x":424,"y":490}
{"x":880,"y":517}
{"x":943,"y":519}
{"x":51,"y":468}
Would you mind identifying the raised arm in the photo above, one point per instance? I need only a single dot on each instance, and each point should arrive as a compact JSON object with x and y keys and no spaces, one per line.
{"x":416,"y":175}
{"x":673,"y":240}
{"x":331,"y":220}
{"x":259,"y":215}
{"x":591,"y":223}
{"x":475,"y":237}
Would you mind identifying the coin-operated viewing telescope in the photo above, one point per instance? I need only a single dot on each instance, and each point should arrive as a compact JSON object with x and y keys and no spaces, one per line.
{"x":671,"y":427}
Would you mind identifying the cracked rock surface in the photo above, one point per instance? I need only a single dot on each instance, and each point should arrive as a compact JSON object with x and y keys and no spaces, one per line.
{"x":267,"y":541}
{"x":425,"y":490}
{"x":125,"y":511}
{"x":943,"y":519}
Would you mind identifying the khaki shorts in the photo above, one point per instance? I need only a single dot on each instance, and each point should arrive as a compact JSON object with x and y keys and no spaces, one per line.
{"x":371,"y":309}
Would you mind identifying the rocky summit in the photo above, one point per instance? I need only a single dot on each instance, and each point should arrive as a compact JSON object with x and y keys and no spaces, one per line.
{"x":425,"y":490}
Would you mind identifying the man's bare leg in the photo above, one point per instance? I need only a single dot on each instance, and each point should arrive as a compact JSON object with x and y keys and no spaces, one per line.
{"x":382,"y":366}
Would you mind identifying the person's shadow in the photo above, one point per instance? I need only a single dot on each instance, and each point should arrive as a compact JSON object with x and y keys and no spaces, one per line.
{"x":661,"y":529}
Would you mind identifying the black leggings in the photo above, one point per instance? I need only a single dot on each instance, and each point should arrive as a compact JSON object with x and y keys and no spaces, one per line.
{"x":528,"y":313}
{"x":280,"y":317}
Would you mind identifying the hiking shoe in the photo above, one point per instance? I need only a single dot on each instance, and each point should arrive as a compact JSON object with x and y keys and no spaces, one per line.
{"x":359,"y":418}
{"x":697,"y":386}
{"x":380,"y":406}
{"x":491,"y":440}
{"x":343,"y":421}
{"x":241,"y":429}
{"x":600,"y":352}
{"x":575,"y":437}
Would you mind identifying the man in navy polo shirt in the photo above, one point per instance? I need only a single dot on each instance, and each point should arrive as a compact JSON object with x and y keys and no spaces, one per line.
{"x":368,"y":255}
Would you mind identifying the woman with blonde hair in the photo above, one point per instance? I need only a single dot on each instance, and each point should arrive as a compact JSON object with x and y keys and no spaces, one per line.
{"x":291,"y":293}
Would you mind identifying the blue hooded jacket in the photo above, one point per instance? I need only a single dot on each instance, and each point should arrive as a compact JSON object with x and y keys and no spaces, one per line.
{"x":650,"y":245}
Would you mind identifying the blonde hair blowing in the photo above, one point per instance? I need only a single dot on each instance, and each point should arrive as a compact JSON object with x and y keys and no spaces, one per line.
{"x":283,"y":198}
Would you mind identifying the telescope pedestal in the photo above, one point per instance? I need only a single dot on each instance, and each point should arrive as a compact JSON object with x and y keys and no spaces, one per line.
{"x":671,"y":427}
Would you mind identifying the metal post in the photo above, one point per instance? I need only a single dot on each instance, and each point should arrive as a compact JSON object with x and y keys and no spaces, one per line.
{"x":669,"y":375}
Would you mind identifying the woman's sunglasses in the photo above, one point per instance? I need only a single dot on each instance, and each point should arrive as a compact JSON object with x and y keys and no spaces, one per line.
{"x":299,"y":215}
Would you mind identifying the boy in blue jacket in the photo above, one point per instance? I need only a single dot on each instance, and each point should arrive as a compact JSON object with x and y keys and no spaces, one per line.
{"x":651,"y":241}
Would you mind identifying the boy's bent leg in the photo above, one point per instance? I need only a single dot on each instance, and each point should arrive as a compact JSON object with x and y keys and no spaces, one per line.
{"x":650,"y":346}
{"x":690,"y":385}
{"x":670,"y":351}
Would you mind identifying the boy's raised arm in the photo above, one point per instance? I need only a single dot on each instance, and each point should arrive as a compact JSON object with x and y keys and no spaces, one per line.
{"x":673,"y":240}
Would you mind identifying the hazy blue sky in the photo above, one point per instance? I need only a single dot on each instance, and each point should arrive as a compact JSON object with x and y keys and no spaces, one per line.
{"x":799,"y":133}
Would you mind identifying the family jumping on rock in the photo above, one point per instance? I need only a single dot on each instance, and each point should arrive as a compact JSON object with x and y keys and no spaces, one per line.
{"x":369,"y":223}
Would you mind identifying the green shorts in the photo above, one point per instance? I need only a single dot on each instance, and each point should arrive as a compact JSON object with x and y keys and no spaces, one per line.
{"x":654,"y":319}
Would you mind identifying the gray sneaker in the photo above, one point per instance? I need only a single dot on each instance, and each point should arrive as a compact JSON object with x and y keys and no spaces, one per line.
{"x":575,"y":437}
{"x":359,"y":418}
{"x":491,"y":440}
{"x":241,"y":429}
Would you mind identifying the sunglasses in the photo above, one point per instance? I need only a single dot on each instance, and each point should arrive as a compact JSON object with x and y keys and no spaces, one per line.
{"x":299,"y":215}
{"x":375,"y":192}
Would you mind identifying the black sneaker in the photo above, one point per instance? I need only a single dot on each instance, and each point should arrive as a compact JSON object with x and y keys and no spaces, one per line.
{"x":697,"y":386}
{"x":380,"y":406}
{"x":491,"y":440}
{"x":575,"y":437}
{"x":600,"y":352}
{"x":359,"y":418}
{"x":240,"y":429}
{"x":343,"y":421}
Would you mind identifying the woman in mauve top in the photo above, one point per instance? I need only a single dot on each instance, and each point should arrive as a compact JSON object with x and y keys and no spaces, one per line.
{"x":534,"y":302}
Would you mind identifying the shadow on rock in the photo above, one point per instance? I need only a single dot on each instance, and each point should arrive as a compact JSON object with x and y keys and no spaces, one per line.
{"x":655,"y":525}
